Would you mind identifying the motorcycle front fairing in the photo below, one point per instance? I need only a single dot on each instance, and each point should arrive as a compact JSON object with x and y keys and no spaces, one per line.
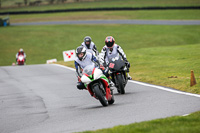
{"x":92,"y":75}
{"x":116,"y":64}
{"x":20,"y":60}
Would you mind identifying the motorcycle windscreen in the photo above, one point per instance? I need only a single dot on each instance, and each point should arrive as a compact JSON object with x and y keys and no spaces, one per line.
{"x":85,"y":79}
{"x":88,"y":70}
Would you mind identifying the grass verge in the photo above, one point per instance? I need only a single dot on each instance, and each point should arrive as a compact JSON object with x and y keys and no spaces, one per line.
{"x":178,"y":124}
{"x":147,"y":15}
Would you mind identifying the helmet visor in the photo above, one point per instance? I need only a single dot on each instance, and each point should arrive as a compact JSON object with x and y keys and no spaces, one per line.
{"x":109,"y":44}
{"x":87,"y":43}
{"x":80,"y":55}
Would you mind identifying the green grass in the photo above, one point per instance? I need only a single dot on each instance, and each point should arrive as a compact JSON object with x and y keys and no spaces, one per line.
{"x":156,"y":65}
{"x":101,"y":3}
{"x":142,"y":15}
{"x":176,"y":124}
{"x":155,"y":52}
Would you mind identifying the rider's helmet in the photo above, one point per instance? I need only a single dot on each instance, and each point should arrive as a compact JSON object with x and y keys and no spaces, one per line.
{"x":87,"y":41}
{"x":109,"y":41}
{"x":81,"y":53}
{"x":21,"y":50}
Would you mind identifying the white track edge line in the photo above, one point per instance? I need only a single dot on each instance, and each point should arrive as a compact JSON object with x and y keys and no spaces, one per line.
{"x":165,"y":89}
{"x":146,"y":84}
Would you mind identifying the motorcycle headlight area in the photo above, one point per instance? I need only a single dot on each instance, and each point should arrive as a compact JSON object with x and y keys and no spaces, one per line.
{"x":97,"y":73}
{"x":85,"y":79}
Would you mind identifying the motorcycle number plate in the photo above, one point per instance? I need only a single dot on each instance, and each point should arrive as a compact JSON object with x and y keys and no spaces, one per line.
{"x":111,"y":65}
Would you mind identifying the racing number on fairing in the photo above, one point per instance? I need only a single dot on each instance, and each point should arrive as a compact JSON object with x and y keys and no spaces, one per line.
{"x":111,"y":65}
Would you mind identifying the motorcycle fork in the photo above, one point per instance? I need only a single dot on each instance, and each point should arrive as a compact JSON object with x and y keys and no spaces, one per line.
{"x":124,"y":77}
{"x":112,"y":77}
{"x":115,"y":77}
{"x":106,"y":89}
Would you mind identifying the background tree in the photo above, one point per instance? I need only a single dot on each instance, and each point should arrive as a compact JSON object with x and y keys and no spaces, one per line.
{"x":25,"y":2}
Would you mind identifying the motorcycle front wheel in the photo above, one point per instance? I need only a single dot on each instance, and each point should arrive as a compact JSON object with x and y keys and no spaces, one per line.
{"x":120,"y":84}
{"x":99,"y":94}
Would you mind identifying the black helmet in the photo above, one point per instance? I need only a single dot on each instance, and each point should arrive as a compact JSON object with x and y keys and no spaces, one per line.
{"x":87,"y":41}
{"x":80,"y":50}
{"x":109,"y":41}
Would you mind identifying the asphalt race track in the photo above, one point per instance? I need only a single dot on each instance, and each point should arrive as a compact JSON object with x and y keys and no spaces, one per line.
{"x":44,"y":99}
{"x":141,"y":22}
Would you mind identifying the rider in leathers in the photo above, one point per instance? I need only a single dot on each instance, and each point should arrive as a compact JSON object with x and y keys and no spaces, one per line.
{"x":89,"y":45}
{"x":81,"y":61}
{"x":21,"y":52}
{"x":112,"y":50}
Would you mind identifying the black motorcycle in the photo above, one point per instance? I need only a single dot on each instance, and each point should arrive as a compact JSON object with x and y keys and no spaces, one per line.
{"x":118,"y":73}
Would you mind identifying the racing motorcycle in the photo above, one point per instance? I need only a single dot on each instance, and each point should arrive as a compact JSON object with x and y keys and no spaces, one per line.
{"x":97,"y":84}
{"x":20,"y":60}
{"x":118,"y":73}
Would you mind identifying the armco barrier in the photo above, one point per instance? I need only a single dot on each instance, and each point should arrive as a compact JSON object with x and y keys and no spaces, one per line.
{"x":101,"y":9}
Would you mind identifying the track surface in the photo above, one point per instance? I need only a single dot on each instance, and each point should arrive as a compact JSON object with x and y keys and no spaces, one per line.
{"x":148,"y":22}
{"x":44,"y":98}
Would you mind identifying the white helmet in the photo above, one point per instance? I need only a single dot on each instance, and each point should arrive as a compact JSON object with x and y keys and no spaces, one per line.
{"x":79,"y":50}
{"x":21,"y":50}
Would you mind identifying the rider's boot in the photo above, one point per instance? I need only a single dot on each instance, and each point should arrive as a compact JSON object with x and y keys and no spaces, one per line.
{"x":111,"y":83}
{"x":129,"y":77}
{"x":80,"y":86}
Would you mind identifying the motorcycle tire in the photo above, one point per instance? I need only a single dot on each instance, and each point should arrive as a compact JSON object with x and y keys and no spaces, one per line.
{"x":99,"y":94}
{"x":120,"y":84}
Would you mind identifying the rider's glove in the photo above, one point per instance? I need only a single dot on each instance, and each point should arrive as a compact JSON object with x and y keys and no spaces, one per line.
{"x":102,"y":67}
{"x":79,"y":79}
{"x":106,"y":70}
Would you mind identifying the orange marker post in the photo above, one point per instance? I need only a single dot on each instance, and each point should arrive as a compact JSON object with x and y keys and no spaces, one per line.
{"x":192,"y":80}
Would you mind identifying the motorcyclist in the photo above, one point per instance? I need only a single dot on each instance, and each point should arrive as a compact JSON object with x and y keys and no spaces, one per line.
{"x":21,"y":52}
{"x":112,"y":49}
{"x":83,"y":59}
{"x":89,"y":45}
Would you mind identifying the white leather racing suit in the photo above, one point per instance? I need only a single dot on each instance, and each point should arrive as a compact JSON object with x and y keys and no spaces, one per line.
{"x":90,"y":59}
{"x":91,"y":48}
{"x":108,"y":53}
